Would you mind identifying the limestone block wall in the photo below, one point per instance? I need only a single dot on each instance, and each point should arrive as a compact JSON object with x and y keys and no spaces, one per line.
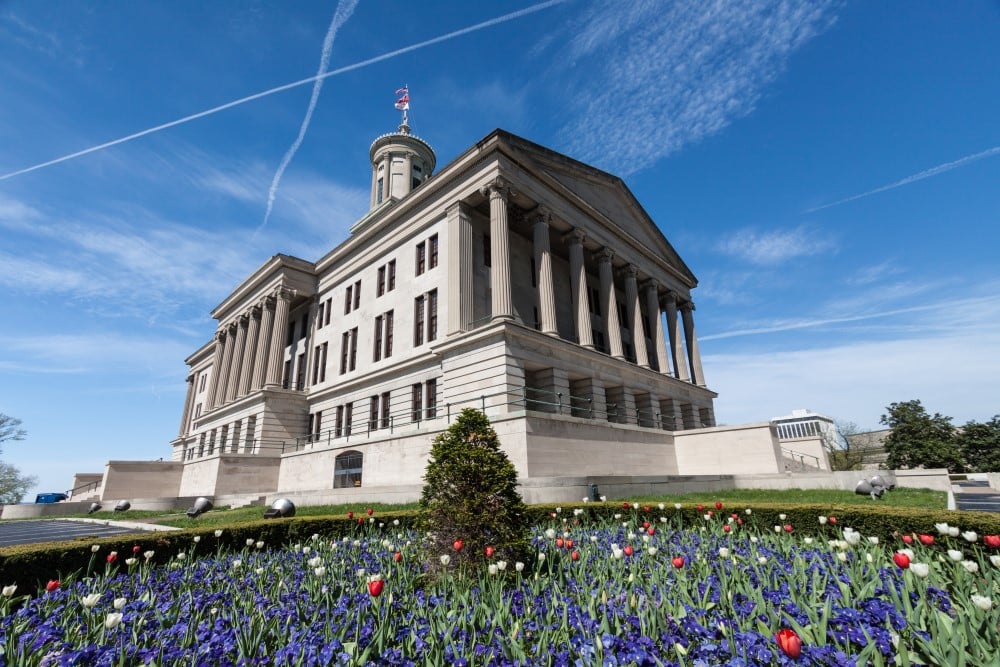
{"x":86,"y":485}
{"x":199,"y":477}
{"x":807,"y":452}
{"x":242,"y":474}
{"x":141,"y":479}
{"x":728,"y":450}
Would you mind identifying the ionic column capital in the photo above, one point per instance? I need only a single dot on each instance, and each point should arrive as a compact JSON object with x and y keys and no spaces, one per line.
{"x":574,"y":236}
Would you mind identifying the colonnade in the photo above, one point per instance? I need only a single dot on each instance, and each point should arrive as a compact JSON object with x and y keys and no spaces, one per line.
{"x":676,"y":349}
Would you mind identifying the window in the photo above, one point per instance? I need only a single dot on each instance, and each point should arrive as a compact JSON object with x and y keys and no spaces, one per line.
{"x":317,"y":425}
{"x":300,"y":377}
{"x":197,"y":411}
{"x":329,"y":303}
{"x":598,"y":340}
{"x":418,"y":321}
{"x":373,"y":413}
{"x":322,"y":367}
{"x":347,"y":470}
{"x":380,"y":282}
{"x":487,"y":251}
{"x":211,"y":442}
{"x":319,"y":315}
{"x":354,"y":348}
{"x":377,"y":353}
{"x":201,"y":383}
{"x":249,"y":444}
{"x":388,"y":334}
{"x":385,"y":409}
{"x":287,"y":375}
{"x":348,"y":350}
{"x":392,"y":275}
{"x":235,"y":441}
{"x":319,"y":363}
{"x":224,"y":439}
{"x":432,"y":315}
{"x":431,"y":402}
{"x":348,"y":300}
{"x":305,"y":326}
{"x":417,"y":401}
{"x":378,"y":191}
{"x":432,"y":251}
{"x":338,"y":424}
{"x":201,"y":445}
{"x":414,"y":183}
{"x":383,"y":336}
{"x":357,"y":295}
{"x":421,"y":257}
{"x":534,"y":314}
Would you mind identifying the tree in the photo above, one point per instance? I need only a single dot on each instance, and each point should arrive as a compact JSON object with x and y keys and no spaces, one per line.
{"x":470,"y":498}
{"x":842,"y":446}
{"x":13,"y":485}
{"x":920,"y":440}
{"x":980,"y":445}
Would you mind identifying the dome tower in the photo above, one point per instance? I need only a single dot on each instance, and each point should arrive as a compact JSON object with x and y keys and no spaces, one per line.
{"x":400,"y":161}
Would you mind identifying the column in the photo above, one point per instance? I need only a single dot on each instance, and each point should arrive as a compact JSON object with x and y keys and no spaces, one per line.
{"x":656,"y":325}
{"x":503,"y":306}
{"x":694,"y":356}
{"x":460,"y":290}
{"x":386,"y":177}
{"x":233,"y":382}
{"x":676,"y":338}
{"x":543,"y":277}
{"x":250,"y":358}
{"x":635,"y":315}
{"x":227,"y":362}
{"x":266,"y":308}
{"x":275,"y":355}
{"x":609,"y":303}
{"x":213,"y":385}
{"x":408,"y":170}
{"x":310,"y":339}
{"x":188,"y":399}
{"x":578,"y":283}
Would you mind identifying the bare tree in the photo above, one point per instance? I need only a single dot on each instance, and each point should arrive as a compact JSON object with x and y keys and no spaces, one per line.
{"x":845,"y":446}
{"x":13,"y":485}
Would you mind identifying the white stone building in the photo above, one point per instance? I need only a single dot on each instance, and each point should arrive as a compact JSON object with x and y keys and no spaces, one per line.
{"x":515,"y":280}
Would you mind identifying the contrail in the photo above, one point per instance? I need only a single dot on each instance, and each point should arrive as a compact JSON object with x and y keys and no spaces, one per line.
{"x":927,"y":173}
{"x":343,"y":12}
{"x":288,"y":86}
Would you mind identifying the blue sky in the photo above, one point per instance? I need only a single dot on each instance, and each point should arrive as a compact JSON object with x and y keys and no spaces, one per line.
{"x":829,"y":171}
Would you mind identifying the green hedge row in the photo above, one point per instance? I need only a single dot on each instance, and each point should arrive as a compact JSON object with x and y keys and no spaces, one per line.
{"x":31,"y":566}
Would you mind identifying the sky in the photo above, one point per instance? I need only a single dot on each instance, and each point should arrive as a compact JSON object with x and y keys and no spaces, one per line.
{"x":830,"y":171}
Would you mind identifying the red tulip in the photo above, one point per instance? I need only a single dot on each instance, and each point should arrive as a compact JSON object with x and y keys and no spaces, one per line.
{"x":375,"y":587}
{"x":711,"y":513}
{"x":907,"y":539}
{"x":926,"y":539}
{"x":718,"y":505}
{"x":701,"y":507}
{"x":52,"y":585}
{"x":569,"y":544}
{"x":992,"y":541}
{"x":136,"y":549}
{"x":645,"y":524}
{"x":489,"y":551}
{"x":370,"y":511}
{"x":833,"y":520}
{"x":739,"y":522}
{"x":646,"y":508}
{"x":678,"y":561}
{"x":552,"y":515}
{"x":788,"y":528}
{"x":457,"y":545}
{"x":575,"y":555}
{"x":901,"y":560}
{"x":625,"y":506}
{"x":650,"y":531}
{"x":360,"y":521}
{"x":112,"y":557}
{"x":559,"y":542}
{"x":726,"y":528}
{"x":350,"y":515}
{"x":789,"y":642}
{"x":628,"y":550}
{"x":397,"y":557}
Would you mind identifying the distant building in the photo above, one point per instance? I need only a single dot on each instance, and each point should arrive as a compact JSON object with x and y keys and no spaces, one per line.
{"x":805,"y":437}
{"x":869,"y":448}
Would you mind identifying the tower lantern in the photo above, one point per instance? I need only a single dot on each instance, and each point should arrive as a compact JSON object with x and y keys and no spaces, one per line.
{"x":401,"y":161}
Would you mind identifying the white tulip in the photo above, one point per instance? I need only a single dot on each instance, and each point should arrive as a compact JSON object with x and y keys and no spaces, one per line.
{"x":982,"y":602}
{"x":970,"y":536}
{"x":970,"y":566}
{"x":249,"y":541}
{"x":822,"y":520}
{"x":873,"y":539}
{"x":782,"y":517}
{"x":920,"y":570}
{"x":218,"y":533}
{"x":113,"y":620}
{"x":492,"y":568}
{"x":723,"y":552}
{"x":955,"y":555}
{"x":445,"y":559}
{"x":519,"y":566}
{"x":677,"y":506}
{"x":652,"y":551}
{"x":995,"y":560}
{"x":148,"y":554}
{"x":118,"y":603}
{"x":197,"y":539}
{"x":942,"y":528}
{"x":89,"y":601}
{"x":8,"y":591}
{"x":953,"y":531}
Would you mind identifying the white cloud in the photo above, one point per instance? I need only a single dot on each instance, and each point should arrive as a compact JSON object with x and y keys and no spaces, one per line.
{"x":774,"y":247}
{"x":654,"y":77}
{"x":84,"y":353}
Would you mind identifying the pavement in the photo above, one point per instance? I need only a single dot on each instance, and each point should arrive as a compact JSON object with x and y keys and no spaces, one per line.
{"x":57,"y":530}
{"x":976,"y":495}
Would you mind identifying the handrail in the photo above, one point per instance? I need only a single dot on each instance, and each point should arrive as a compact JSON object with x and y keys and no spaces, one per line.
{"x":793,"y":453}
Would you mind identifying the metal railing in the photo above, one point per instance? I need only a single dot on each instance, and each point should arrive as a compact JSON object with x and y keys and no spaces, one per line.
{"x":802,"y":456}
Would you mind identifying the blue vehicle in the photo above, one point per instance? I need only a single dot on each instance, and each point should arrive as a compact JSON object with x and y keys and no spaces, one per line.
{"x":50,"y":497}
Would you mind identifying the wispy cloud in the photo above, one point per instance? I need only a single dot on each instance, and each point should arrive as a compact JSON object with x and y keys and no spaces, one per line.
{"x":343,"y":12}
{"x":774,"y":247}
{"x":654,"y":77}
{"x":866,"y":275}
{"x":926,"y":173}
{"x":81,"y":353}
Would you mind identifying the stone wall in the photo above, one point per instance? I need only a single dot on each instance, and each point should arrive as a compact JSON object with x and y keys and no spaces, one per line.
{"x":733,"y":450}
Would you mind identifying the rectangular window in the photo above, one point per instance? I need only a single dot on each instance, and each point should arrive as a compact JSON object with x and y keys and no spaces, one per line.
{"x":354,"y":348}
{"x":534,"y":314}
{"x":305,"y":326}
{"x":338,"y":428}
{"x":345,"y":345}
{"x":287,"y":377}
{"x":248,"y":444}
{"x":392,"y":275}
{"x":385,"y":409}
{"x":317,"y":425}
{"x":487,"y":251}
{"x":348,"y":417}
{"x":432,"y":315}
{"x":329,"y":303}
{"x":388,"y":334}
{"x":432,"y":400}
{"x":373,"y":413}
{"x":300,"y":377}
{"x":421,"y":257}
{"x":417,"y":401}
{"x":322,"y":367}
{"x":357,"y":295}
{"x":224,"y":439}
{"x":432,"y":251}
{"x":378,"y":191}
{"x":380,"y":282}
{"x":201,"y":383}
{"x":211,"y":442}
{"x":418,"y":321}
{"x":317,"y":352}
{"x":197,"y":411}
{"x":377,"y":352}
{"x":319,"y":315}
{"x":348,"y":300}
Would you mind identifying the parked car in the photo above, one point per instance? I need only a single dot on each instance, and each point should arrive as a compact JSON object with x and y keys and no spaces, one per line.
{"x":50,"y":497}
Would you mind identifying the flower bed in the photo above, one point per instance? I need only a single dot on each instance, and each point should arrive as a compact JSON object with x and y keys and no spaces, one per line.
{"x":640,"y":588}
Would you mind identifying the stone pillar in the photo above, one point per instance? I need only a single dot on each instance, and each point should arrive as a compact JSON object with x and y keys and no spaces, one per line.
{"x":460,"y":290}
{"x":673,"y":419}
{"x":264,"y":342}
{"x":386,"y":179}
{"x":188,"y":400}
{"x":543,"y":275}
{"x":635,"y":315}
{"x":694,"y":356}
{"x":408,"y":171}
{"x":213,"y":385}
{"x":503,"y":305}
{"x":227,"y":363}
{"x":588,"y":398}
{"x":656,"y":325}
{"x":233,"y":381}
{"x":609,"y":302}
{"x":578,"y":283}
{"x":308,"y":343}
{"x":275,"y":355}
{"x":676,"y":338}
{"x":250,"y":358}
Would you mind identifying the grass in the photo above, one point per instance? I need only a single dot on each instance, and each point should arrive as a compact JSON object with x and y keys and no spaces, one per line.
{"x":922,"y":498}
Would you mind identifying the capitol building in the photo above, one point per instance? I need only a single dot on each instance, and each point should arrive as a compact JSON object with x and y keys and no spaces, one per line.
{"x":514,"y":280}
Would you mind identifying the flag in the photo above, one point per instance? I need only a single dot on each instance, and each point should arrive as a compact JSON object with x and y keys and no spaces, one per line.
{"x":403,"y":103}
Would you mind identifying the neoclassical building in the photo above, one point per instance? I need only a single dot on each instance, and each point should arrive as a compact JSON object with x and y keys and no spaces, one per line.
{"x":514,"y":280}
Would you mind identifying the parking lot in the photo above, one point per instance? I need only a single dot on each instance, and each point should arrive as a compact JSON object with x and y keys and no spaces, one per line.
{"x":54,"y":530}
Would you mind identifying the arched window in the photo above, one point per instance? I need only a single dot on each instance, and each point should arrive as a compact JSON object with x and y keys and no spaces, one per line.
{"x":347,"y":470}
